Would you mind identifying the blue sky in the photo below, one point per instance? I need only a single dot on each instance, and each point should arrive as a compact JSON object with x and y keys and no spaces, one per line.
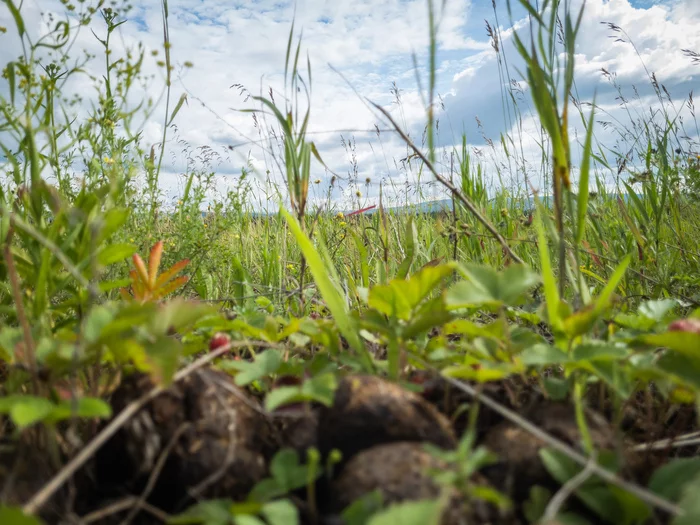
{"x":370,"y":43}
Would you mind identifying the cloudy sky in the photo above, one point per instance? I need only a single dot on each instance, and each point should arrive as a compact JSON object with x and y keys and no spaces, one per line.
{"x":363,"y":49}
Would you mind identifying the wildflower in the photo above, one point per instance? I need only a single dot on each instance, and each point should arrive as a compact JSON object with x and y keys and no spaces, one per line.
{"x":340,"y":215}
{"x":206,"y":225}
{"x":108,"y":160}
{"x":343,"y":224}
{"x":317,"y":181}
{"x":358,"y":194}
{"x":290,"y":267}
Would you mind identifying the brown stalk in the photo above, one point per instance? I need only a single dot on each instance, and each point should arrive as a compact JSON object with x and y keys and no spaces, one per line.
{"x":29,"y":357}
{"x":455,"y":191}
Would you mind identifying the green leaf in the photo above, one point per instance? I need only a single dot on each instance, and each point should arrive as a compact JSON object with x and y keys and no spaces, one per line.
{"x":281,"y":512}
{"x":19,"y":21}
{"x":429,"y":315}
{"x":360,"y":510}
{"x":671,"y":479}
{"x":683,"y":342}
{"x":27,"y":410}
{"x":179,"y":314}
{"x":335,"y":302}
{"x":584,"y":178}
{"x":319,"y":388}
{"x":550,"y":285}
{"x":684,"y":367}
{"x":180,"y":102}
{"x":113,"y":220}
{"x":163,"y":357}
{"x":99,"y":317}
{"x":558,"y":389}
{"x":690,"y":503}
{"x":582,"y":321}
{"x":212,"y":512}
{"x":288,"y":474}
{"x":106,"y":286}
{"x":536,"y":504}
{"x":87,"y":407}
{"x":422,"y":512}
{"x":599,"y":351}
{"x":543,"y":355}
{"x":483,"y":372}
{"x":488,"y":287}
{"x":10,"y":336}
{"x":15,"y":516}
{"x":115,"y":253}
{"x":410,"y":247}
{"x":609,"y":503}
{"x":401,"y":297}
{"x":287,"y":471}
{"x":264,"y":364}
{"x":283,"y":395}
{"x":657,"y":310}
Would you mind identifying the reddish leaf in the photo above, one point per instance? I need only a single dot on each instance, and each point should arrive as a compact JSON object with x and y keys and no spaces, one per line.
{"x":154,"y":262}
{"x":171,"y":272}
{"x":140,"y":268}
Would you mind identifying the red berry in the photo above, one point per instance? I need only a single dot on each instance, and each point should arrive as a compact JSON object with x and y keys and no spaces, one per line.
{"x":685,"y":325}
{"x":218,"y":340}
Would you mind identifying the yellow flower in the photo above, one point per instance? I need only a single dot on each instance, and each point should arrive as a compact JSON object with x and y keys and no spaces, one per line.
{"x":340,"y":215}
{"x":108,"y":160}
{"x":290,"y":267}
{"x":358,"y":193}
{"x":343,"y":224}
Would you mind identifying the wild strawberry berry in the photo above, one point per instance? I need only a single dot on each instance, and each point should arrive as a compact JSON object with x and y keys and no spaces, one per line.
{"x":685,"y":325}
{"x":218,"y":340}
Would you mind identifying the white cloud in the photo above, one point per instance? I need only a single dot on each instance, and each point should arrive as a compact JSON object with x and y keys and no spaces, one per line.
{"x":370,"y":43}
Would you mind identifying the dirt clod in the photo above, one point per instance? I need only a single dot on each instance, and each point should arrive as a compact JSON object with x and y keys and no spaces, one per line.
{"x":368,"y":411}
{"x":402,"y":472}
{"x":215,"y":436}
{"x":520,"y":466}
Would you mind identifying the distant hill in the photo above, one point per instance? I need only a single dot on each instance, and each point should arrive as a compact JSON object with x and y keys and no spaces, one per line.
{"x":435,"y":206}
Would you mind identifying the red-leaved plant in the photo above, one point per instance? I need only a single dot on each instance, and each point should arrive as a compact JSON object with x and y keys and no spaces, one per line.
{"x":146,"y":284}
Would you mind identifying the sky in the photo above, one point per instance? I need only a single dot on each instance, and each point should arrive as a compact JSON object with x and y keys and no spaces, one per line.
{"x":363,"y":51}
